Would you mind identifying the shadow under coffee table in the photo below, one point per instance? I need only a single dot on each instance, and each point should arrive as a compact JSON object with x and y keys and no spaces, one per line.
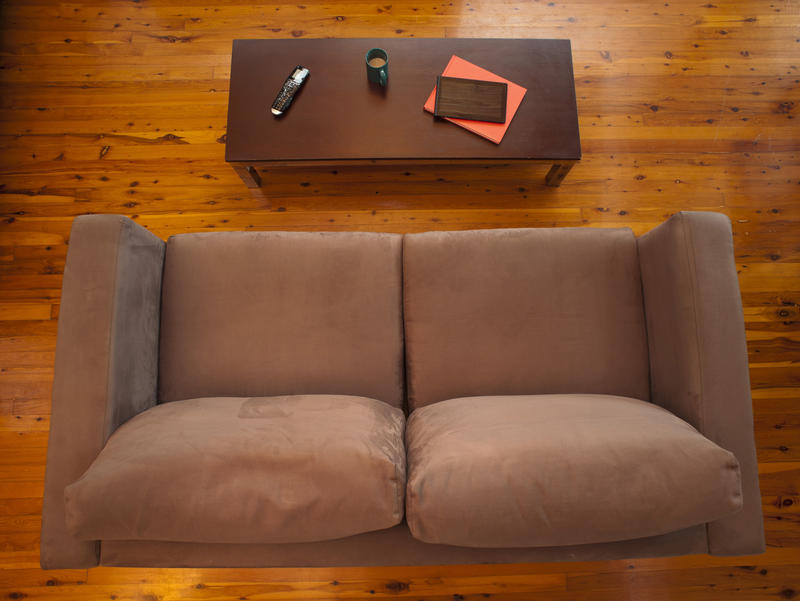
{"x":339,"y":118}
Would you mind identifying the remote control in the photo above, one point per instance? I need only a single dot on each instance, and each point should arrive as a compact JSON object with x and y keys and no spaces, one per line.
{"x":290,"y":87}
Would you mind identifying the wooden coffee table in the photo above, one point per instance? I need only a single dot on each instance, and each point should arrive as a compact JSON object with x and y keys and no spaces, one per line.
{"x":340,"y":118}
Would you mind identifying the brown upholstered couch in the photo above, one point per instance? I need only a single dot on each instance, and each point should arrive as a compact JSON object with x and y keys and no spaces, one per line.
{"x":237,"y":399}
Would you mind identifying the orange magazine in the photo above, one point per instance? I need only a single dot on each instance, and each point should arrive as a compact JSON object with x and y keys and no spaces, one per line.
{"x":458,"y":67}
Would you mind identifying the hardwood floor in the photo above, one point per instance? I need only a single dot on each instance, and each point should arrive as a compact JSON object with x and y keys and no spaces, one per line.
{"x":120,"y":106}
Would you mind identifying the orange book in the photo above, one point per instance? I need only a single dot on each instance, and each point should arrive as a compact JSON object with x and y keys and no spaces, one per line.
{"x":458,"y":67}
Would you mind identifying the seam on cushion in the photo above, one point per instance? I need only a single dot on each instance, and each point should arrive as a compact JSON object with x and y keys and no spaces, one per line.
{"x":156,"y":391}
{"x":410,"y":392}
{"x":650,"y":386}
{"x":159,"y":373}
{"x":692,"y":266}
{"x":407,"y":502}
{"x":400,"y":486}
{"x":109,"y":362}
{"x":403,"y":362}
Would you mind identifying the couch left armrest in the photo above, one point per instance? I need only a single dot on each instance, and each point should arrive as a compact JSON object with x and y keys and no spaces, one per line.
{"x":698,"y":353}
{"x":106,"y":361}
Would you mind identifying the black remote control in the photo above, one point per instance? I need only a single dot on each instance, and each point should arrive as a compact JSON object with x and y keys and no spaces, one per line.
{"x":290,"y":87}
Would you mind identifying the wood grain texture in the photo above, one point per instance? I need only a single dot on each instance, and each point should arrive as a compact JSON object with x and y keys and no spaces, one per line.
{"x":120,"y":106}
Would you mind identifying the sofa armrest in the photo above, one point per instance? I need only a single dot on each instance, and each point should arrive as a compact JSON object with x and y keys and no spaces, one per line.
{"x":698,"y":353}
{"x":106,"y":361}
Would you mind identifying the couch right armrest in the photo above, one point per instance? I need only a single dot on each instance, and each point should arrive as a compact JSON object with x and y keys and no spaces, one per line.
{"x":698,"y":353}
{"x":106,"y":361}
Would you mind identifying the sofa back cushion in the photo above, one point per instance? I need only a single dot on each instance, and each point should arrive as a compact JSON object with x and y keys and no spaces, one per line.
{"x":523,"y":311}
{"x":278,"y":313}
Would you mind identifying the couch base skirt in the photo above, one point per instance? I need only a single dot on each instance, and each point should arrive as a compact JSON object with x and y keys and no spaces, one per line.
{"x":394,"y":546}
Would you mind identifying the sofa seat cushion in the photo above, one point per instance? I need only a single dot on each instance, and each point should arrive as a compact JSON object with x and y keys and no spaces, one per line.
{"x":246,"y":470}
{"x":550,"y":470}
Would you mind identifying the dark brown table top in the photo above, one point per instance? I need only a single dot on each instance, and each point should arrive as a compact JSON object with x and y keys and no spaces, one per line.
{"x":339,"y":115}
